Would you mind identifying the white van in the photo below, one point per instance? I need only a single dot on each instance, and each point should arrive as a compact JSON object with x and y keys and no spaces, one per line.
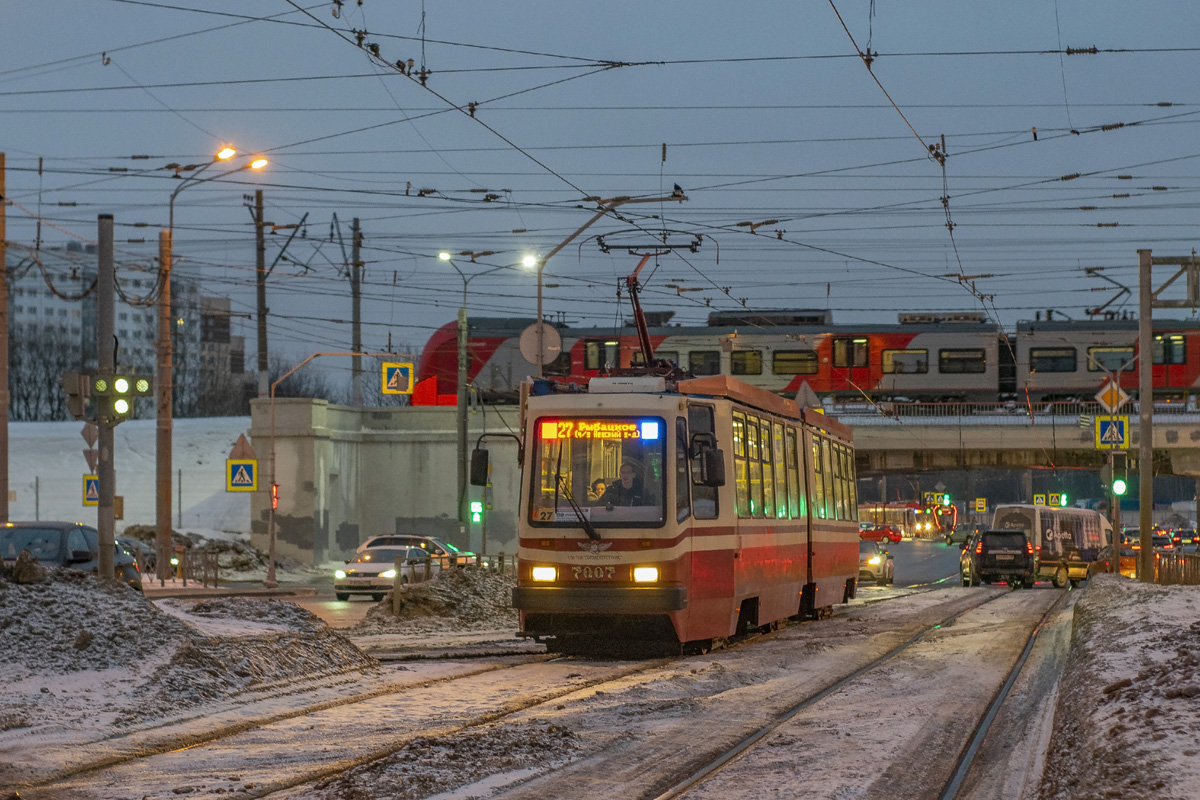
{"x":1066,"y":540}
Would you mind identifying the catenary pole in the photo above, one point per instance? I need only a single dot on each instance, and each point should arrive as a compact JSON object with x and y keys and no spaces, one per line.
{"x":105,"y":363}
{"x":4,"y":396}
{"x":260,"y":251}
{"x":356,"y":378}
{"x":164,"y":420}
{"x":1145,"y":418}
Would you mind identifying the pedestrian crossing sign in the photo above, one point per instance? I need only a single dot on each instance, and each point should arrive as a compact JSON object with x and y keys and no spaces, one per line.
{"x":91,"y":490}
{"x":1112,"y":433}
{"x":241,"y":475}
{"x":397,"y":378}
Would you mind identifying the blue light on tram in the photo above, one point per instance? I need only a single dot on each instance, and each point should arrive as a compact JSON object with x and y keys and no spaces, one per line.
{"x":649,"y":430}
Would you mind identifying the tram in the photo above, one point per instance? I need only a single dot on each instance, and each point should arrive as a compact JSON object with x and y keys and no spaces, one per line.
{"x":725,"y":509}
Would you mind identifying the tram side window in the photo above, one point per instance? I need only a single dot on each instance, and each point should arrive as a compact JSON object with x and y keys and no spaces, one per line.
{"x":779,"y":460}
{"x":1168,"y":349}
{"x":704,"y":498}
{"x":741,"y":481}
{"x":754,"y":460}
{"x":827,"y":473}
{"x":839,"y":484}
{"x":683,"y":500}
{"x":745,"y":362}
{"x":705,"y":362}
{"x":853,"y":477}
{"x":794,"y":362}
{"x":797,"y":502}
{"x":818,"y":496}
{"x":768,"y":470}
{"x":961,"y":362}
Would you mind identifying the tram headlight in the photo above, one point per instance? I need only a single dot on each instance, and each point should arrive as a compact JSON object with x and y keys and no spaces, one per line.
{"x":645,"y":574}
{"x":545,"y":574}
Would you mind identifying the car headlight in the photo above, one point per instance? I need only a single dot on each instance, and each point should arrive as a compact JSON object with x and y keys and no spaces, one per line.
{"x":340,"y":574}
{"x":545,"y":573}
{"x":873,"y":560}
{"x":391,"y":573}
{"x":645,"y":574}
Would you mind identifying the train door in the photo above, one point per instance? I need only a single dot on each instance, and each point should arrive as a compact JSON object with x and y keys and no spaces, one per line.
{"x":1170,"y":364}
{"x":850,"y":365}
{"x":600,"y":355}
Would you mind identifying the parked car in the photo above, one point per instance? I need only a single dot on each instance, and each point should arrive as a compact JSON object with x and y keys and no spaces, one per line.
{"x":875,"y":563}
{"x":1128,"y":565}
{"x":373,"y":571}
{"x":961,"y":532}
{"x":996,"y":556}
{"x":440,"y":550}
{"x":869,"y":531}
{"x":66,"y":544}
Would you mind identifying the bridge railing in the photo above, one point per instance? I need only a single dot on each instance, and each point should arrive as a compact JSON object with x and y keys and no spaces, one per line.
{"x":1176,"y":568}
{"x":1009,"y":413}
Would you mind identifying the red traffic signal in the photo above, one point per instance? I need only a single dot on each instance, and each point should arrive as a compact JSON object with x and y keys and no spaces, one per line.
{"x":274,"y":496}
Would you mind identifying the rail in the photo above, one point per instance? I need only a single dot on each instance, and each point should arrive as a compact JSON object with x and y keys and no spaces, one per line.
{"x":1008,"y":413}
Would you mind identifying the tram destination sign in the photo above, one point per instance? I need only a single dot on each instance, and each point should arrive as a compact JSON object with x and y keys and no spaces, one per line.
{"x":600,"y":429}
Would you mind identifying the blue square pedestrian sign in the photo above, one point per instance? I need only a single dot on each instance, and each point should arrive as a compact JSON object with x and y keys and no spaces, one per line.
{"x":91,"y":490}
{"x":1112,"y":433}
{"x":241,"y":475}
{"x":397,"y":378}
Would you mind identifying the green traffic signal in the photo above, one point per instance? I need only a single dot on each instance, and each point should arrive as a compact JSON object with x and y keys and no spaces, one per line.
{"x":1119,"y":487}
{"x":476,"y":511}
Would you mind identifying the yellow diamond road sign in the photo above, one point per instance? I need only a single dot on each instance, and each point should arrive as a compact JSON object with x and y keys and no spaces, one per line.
{"x":1111,"y":397}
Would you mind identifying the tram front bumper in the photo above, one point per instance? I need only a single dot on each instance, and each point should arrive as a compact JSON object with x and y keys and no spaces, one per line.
{"x":599,"y":599}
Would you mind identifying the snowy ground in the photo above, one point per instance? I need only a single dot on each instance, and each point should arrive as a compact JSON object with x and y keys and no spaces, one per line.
{"x":87,"y":662}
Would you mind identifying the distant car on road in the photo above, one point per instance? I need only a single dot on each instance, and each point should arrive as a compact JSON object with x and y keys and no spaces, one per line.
{"x":1128,"y":566}
{"x":442,"y":551}
{"x":961,"y":532}
{"x":870,"y":532}
{"x":66,"y":544}
{"x":875,"y":563}
{"x":373,"y":571}
{"x":999,"y":556}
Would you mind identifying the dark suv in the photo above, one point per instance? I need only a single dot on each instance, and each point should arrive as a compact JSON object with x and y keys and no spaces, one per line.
{"x":999,"y":556}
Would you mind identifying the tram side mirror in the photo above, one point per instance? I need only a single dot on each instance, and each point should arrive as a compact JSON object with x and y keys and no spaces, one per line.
{"x":712,"y":467}
{"x":479,"y":467}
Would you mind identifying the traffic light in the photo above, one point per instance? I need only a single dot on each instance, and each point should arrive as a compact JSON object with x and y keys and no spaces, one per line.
{"x":118,"y":391}
{"x":78,"y":389}
{"x":1062,"y":499}
{"x":946,"y":499}
{"x":1118,"y":487}
{"x":274,"y":496}
{"x":476,"y":511}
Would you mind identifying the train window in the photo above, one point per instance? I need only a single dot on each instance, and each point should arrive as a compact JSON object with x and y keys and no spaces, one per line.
{"x":570,"y":454}
{"x":745,"y":362}
{"x":1168,"y":349}
{"x":906,"y":362}
{"x":960,"y":362}
{"x":754,"y":462}
{"x":1111,"y":359}
{"x":683,"y":500}
{"x":794,"y":362}
{"x":560,"y":365}
{"x":704,"y":498}
{"x":818,"y":480}
{"x":705,"y":362}
{"x":668,"y":355}
{"x":780,"y":463}
{"x":849,"y":352}
{"x":741,"y":479}
{"x":1052,"y":359}
{"x":797,"y":502}
{"x":768,"y":471}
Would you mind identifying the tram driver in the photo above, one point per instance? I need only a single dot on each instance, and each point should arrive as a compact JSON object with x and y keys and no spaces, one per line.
{"x":625,"y":491}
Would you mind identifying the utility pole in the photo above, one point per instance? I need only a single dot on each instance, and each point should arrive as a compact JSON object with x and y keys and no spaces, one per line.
{"x":4,"y":398}
{"x":261,"y":273}
{"x":105,"y":363}
{"x":164,"y":416}
{"x":356,"y":313}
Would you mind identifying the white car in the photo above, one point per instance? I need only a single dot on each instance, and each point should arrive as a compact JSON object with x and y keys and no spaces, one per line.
{"x":373,"y":571}
{"x":438,"y":549}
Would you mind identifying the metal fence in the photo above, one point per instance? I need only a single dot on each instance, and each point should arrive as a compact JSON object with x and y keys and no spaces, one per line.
{"x":1176,"y":568}
{"x":1008,"y":413}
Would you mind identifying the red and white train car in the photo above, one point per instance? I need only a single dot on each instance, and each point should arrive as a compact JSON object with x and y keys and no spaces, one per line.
{"x":740,"y":512}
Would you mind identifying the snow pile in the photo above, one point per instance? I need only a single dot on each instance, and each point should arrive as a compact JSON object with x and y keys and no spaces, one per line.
{"x":1127,"y":714}
{"x":466,"y":598}
{"x":81,"y":654}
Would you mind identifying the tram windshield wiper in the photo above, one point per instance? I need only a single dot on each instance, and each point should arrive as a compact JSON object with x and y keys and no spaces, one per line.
{"x":588,"y":527}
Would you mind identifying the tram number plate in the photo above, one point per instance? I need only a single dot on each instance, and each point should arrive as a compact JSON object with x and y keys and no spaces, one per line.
{"x":595,"y":573}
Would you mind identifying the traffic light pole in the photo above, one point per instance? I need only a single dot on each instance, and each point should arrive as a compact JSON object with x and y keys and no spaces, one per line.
{"x":105,"y":363}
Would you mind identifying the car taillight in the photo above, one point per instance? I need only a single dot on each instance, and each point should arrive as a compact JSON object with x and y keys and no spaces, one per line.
{"x":1029,"y":548}
{"x":979,"y":547}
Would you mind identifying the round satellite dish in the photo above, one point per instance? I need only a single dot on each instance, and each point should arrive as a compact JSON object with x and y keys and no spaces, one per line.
{"x":551,"y":343}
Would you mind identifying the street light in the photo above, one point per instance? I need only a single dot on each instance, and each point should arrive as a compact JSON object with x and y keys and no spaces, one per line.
{"x":605,"y":207}
{"x":163,"y":353}
{"x":463,"y":359}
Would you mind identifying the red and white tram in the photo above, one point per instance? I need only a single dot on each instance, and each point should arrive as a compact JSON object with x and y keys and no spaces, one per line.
{"x":678,"y":556}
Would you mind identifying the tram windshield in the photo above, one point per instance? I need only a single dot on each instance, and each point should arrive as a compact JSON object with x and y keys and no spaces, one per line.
{"x":611,"y":467}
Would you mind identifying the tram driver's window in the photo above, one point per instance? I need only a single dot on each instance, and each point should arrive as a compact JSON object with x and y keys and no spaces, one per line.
{"x":704,"y":498}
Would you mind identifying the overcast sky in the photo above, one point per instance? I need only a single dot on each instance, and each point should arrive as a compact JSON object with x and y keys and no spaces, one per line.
{"x":766,"y":111}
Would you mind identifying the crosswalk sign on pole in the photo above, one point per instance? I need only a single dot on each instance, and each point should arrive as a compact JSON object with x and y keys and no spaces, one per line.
{"x":241,"y":475}
{"x":397,"y":378}
{"x":1039,"y":499}
{"x":91,"y":490}
{"x":1112,"y":433}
